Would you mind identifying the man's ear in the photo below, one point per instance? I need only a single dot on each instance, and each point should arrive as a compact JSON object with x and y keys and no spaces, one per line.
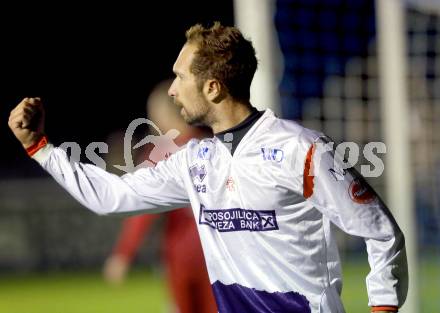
{"x":213,"y":90}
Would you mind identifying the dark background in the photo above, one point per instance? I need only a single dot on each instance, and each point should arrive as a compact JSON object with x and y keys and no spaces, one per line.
{"x":92,"y":65}
{"x":95,"y":65}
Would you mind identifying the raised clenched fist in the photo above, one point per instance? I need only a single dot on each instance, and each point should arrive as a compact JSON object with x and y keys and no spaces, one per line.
{"x":26,"y":121}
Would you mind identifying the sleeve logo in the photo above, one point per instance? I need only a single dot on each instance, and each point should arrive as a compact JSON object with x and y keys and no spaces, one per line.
{"x":360,"y":192}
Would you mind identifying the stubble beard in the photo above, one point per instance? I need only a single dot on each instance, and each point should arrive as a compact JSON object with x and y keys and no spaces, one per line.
{"x":199,"y":115}
{"x":196,"y":119}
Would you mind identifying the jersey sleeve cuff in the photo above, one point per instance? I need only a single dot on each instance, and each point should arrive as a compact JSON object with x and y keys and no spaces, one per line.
{"x":386,"y":308}
{"x":43,"y":153}
{"x":36,"y":146}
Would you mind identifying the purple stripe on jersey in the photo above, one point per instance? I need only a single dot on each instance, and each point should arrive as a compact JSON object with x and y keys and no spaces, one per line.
{"x":239,"y":299}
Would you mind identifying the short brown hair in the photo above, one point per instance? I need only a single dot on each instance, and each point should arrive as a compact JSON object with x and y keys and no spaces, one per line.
{"x":223,"y":54}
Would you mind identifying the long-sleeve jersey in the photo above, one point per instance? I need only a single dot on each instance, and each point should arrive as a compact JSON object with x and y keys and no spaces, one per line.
{"x":265,"y":215}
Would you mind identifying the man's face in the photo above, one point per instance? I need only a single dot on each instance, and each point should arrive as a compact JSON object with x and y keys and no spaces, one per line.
{"x":184,"y":89}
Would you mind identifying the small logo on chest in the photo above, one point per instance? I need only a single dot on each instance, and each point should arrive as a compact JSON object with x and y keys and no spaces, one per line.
{"x":230,"y":184}
{"x":198,"y":174}
{"x":272,"y":154}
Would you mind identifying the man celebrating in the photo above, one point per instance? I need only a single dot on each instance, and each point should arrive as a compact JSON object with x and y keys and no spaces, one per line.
{"x":264,"y":194}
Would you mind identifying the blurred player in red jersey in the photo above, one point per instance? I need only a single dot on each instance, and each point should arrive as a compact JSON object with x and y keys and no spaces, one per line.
{"x":182,"y":252}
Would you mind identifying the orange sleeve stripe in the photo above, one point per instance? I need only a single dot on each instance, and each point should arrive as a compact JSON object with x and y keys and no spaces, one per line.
{"x":307,"y":175}
{"x":388,"y":308}
{"x":37,"y":146}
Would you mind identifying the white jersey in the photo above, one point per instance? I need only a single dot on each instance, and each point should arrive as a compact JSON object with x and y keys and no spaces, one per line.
{"x":265,"y":221}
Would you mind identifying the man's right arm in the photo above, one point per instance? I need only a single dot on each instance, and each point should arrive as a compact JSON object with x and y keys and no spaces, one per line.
{"x":147,"y":189}
{"x":151,"y":190}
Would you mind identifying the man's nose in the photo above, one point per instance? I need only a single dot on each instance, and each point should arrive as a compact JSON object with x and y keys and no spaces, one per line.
{"x":171,"y":90}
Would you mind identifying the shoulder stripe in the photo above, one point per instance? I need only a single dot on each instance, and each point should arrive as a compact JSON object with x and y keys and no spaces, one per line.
{"x":308,"y":183}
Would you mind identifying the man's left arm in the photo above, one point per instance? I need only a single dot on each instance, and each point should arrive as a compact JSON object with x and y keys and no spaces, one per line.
{"x":344,"y":197}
